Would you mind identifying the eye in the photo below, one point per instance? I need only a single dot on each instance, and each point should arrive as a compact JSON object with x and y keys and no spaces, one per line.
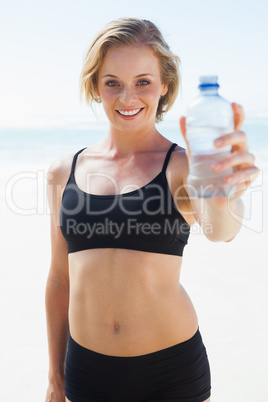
{"x":143,"y":82}
{"x":111,"y":84}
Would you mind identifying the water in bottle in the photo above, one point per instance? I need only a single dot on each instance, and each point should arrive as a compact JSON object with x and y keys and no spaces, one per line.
{"x":208,"y":117}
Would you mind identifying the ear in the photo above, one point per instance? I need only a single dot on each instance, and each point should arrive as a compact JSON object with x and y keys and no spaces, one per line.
{"x":164,"y":89}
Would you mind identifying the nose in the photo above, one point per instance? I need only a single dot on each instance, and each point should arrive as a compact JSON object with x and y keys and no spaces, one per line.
{"x":128,"y":96}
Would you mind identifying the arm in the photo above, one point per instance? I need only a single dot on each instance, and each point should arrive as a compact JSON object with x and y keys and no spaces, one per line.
{"x":218,"y":216}
{"x":57,"y":291}
{"x":218,"y":219}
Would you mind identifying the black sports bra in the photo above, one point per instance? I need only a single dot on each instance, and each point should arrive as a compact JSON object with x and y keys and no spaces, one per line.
{"x":145,"y":219}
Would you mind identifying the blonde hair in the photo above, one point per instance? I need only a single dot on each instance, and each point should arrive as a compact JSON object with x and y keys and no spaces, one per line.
{"x":130,"y":31}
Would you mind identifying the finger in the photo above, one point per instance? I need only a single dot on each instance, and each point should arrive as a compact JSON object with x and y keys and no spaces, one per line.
{"x":242,"y":185}
{"x":241,"y":159}
{"x":237,"y":139}
{"x":183,"y":131}
{"x":239,"y":116}
{"x":248,"y":175}
{"x":183,"y":126}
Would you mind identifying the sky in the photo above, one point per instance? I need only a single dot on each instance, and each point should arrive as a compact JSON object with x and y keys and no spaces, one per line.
{"x":43,"y":43}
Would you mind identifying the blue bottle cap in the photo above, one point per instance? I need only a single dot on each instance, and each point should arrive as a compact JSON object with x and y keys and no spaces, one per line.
{"x":207,"y":81}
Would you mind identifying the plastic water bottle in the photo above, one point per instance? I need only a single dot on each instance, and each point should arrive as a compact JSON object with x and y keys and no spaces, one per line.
{"x":208,"y":117}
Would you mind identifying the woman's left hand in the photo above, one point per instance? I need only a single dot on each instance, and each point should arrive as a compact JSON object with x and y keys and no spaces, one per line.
{"x":240,"y":159}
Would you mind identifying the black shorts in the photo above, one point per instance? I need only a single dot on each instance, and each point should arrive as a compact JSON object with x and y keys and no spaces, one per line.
{"x":178,"y":373}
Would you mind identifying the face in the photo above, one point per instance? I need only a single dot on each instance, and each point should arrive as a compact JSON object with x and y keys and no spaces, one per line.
{"x":130,"y":85}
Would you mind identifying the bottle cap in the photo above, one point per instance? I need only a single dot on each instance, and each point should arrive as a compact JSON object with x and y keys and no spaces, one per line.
{"x":206,"y":81}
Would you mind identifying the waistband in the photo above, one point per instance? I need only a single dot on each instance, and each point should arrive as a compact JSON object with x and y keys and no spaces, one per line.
{"x":172,"y":351}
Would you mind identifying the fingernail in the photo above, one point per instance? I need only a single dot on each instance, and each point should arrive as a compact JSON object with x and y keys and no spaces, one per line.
{"x":219,"y":141}
{"x":229,"y":179}
{"x":217,"y":166}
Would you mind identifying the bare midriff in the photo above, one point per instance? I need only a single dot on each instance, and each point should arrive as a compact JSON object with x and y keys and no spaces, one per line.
{"x":128,"y":302}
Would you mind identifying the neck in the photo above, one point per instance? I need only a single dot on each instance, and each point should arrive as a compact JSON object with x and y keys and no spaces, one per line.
{"x":125,"y":143}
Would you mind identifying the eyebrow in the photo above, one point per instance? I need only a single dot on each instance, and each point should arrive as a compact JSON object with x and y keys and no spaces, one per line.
{"x":114,"y":76}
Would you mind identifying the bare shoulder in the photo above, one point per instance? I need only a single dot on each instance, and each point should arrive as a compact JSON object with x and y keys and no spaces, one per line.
{"x":60,"y":169}
{"x":57,"y":178}
{"x":177,"y":173}
{"x":178,"y":165}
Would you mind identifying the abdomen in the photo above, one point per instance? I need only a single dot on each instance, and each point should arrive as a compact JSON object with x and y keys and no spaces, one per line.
{"x":124,"y":302}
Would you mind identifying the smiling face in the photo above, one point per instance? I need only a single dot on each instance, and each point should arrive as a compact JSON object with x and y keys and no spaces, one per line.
{"x":129,"y":85}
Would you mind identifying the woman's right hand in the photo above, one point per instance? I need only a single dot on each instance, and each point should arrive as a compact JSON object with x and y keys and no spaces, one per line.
{"x":55,"y":392}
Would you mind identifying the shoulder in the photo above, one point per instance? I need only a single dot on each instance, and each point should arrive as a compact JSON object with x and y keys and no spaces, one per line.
{"x":178,"y":164}
{"x":58,"y":174}
{"x":60,"y":169}
{"x":178,"y":169}
{"x":177,"y":172}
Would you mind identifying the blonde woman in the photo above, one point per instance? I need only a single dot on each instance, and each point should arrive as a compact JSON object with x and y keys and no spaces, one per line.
{"x":120,"y":325}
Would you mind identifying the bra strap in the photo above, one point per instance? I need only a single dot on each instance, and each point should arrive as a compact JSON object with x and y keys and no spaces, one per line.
{"x":168,"y":156}
{"x":74,"y":160}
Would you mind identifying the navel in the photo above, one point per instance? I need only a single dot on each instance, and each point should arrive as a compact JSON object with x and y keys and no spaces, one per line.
{"x":116,"y":327}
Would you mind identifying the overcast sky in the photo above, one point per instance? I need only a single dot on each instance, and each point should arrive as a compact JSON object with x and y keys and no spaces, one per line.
{"x":43,"y":44}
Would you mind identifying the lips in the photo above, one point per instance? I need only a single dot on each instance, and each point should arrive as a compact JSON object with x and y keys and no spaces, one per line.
{"x":129,"y":112}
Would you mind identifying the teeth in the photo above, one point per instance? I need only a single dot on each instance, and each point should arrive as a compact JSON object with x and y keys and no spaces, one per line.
{"x":129,"y":112}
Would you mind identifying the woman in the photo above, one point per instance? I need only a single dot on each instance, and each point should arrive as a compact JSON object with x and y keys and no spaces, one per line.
{"x":120,"y":218}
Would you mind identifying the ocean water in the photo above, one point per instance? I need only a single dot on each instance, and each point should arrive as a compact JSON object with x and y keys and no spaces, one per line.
{"x":42,"y":145}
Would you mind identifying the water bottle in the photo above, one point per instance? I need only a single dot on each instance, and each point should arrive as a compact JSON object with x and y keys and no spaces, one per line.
{"x":208,"y":117}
